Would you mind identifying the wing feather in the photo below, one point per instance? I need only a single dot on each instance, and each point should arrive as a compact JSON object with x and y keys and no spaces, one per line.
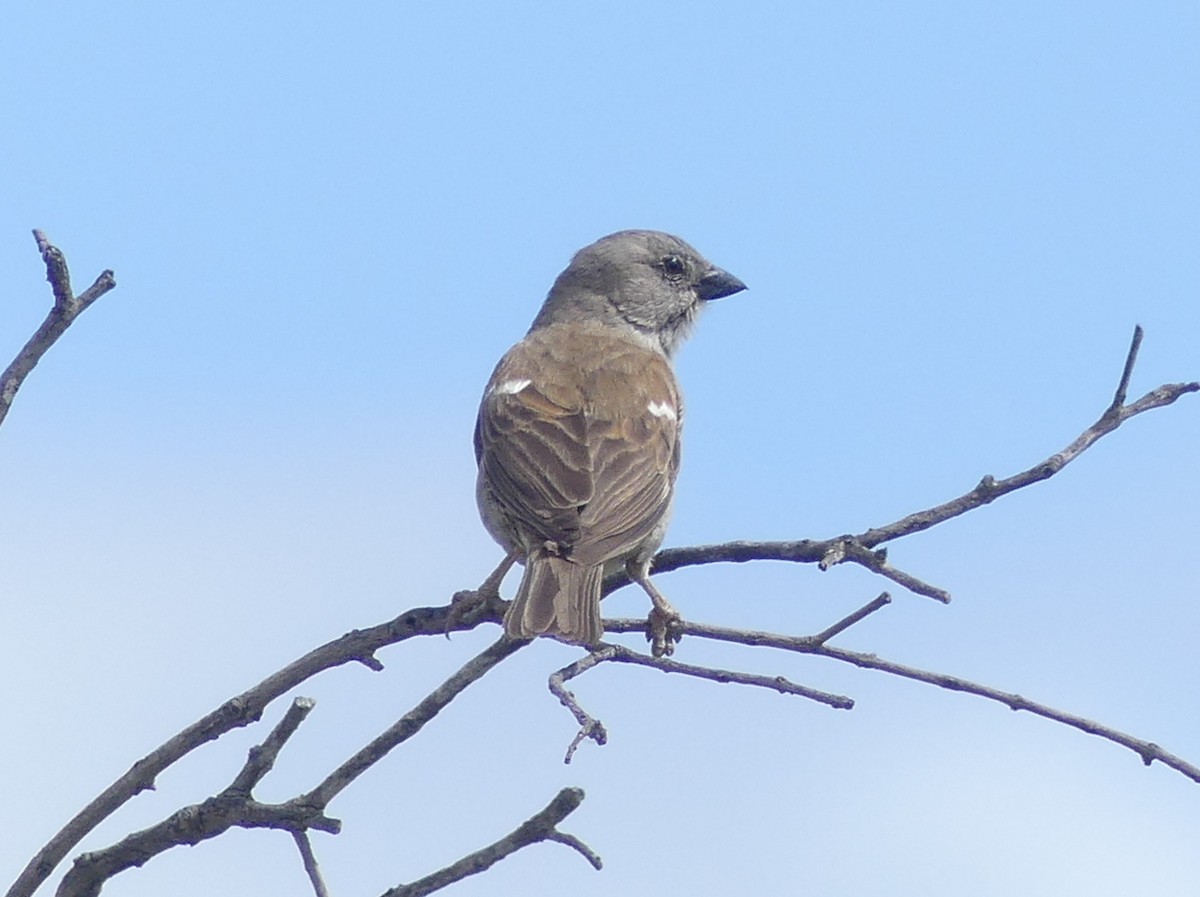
{"x":582,"y":454}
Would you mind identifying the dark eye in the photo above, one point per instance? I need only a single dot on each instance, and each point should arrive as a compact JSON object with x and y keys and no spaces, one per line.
{"x":673,"y":265}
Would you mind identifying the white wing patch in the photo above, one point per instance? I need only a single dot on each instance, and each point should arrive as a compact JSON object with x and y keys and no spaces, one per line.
{"x":510,"y":387}
{"x":662,"y":409}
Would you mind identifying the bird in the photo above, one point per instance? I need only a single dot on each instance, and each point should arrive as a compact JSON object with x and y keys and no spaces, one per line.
{"x":578,"y":434}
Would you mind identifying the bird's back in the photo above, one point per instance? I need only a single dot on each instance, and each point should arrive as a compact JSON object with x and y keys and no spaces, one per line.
{"x":578,"y":441}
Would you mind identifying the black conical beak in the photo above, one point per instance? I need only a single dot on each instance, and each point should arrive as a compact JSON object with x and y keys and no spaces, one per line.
{"x":717,"y":284}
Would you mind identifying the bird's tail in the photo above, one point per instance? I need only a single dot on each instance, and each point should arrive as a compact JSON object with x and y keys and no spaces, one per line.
{"x":559,"y":598}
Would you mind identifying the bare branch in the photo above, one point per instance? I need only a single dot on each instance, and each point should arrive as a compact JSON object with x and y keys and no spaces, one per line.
{"x":1147,"y":750}
{"x":989,"y":489}
{"x":199,"y":822}
{"x":1130,"y":360}
{"x":413,"y":721}
{"x":56,"y":270}
{"x":876,"y":561}
{"x":540,"y":827}
{"x":357,"y":646}
{"x":1157,"y":398}
{"x":234,"y":807}
{"x":621,"y":654}
{"x":578,"y":846}
{"x":67,"y":307}
{"x":262,"y":757}
{"x":859,"y":548}
{"x":190,"y":825}
{"x":799,"y":551}
{"x":589,"y":727}
{"x":846,"y":622}
{"x":310,"y":864}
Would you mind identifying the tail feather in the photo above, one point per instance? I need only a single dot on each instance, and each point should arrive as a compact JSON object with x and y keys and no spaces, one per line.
{"x":559,"y":598}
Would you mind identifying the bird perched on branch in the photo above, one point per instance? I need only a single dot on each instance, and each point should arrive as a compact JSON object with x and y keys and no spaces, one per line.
{"x":578,"y":433}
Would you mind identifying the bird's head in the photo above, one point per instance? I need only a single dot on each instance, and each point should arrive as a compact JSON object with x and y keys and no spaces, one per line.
{"x":646,"y":280}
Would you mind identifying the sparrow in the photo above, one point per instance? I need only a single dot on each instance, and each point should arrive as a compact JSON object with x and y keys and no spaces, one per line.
{"x":577,"y":439}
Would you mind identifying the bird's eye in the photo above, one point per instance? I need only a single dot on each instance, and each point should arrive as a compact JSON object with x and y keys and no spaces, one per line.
{"x":673,"y":265}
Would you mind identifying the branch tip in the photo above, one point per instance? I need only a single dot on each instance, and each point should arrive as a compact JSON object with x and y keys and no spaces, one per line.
{"x":574,"y":843}
{"x":373,"y":663}
{"x":1135,"y":344}
{"x":540,"y":827}
{"x":309,"y":859}
{"x":883,"y":600}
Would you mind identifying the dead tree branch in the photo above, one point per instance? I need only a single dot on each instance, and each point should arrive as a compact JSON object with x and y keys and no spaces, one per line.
{"x":540,"y":827}
{"x":357,"y":646}
{"x":863,"y":548}
{"x":67,"y":307}
{"x":989,"y":489}
{"x":1147,"y":750}
{"x":235,"y":807}
{"x":590,"y":727}
{"x":311,"y":868}
{"x":413,"y":721}
{"x":232,"y":807}
{"x":816,"y":645}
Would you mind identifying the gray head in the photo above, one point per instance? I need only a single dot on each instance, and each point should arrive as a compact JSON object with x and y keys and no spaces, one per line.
{"x":646,"y":280}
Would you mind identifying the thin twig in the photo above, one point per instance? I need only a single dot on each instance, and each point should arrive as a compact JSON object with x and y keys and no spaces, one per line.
{"x":876,"y":561}
{"x":849,"y":620}
{"x":233,"y":807}
{"x":859,"y":548}
{"x":1147,"y":750}
{"x":621,"y":654}
{"x":1130,"y":360}
{"x":413,"y":721}
{"x":578,"y":846}
{"x":590,"y":727}
{"x":310,"y":863}
{"x":989,"y":489}
{"x":540,"y":827}
{"x":67,"y":307}
{"x":262,"y":757}
{"x":358,"y":646}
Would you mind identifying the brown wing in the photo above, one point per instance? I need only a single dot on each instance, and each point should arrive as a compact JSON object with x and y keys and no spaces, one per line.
{"x":532,"y":452}
{"x":578,"y":440}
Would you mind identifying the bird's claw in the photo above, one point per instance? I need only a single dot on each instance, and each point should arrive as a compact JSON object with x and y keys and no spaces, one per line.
{"x":488,"y":593}
{"x":462,"y":603}
{"x":662,"y":632}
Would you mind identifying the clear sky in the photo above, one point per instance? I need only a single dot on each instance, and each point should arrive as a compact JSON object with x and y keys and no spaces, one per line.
{"x":327,"y":223}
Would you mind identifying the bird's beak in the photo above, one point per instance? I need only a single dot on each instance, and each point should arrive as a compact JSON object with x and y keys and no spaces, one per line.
{"x":717,"y":284}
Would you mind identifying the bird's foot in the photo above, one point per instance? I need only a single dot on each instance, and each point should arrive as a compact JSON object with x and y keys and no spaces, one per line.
{"x":461,"y":605}
{"x":464,"y":602}
{"x":661,"y":630}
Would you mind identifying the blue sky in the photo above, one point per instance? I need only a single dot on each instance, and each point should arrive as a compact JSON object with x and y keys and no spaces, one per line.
{"x":327,"y":225}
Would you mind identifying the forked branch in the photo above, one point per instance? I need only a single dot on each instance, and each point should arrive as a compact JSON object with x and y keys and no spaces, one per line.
{"x":863,"y":549}
{"x":199,"y":822}
{"x":590,"y":727}
{"x":542,"y":826}
{"x":358,"y":646}
{"x":816,"y":645}
{"x":67,"y":307}
{"x":235,"y":806}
